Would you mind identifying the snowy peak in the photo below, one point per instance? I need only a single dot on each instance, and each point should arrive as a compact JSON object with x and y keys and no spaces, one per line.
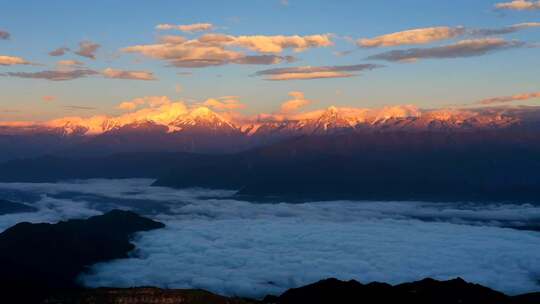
{"x":201,"y":119}
{"x":331,"y":120}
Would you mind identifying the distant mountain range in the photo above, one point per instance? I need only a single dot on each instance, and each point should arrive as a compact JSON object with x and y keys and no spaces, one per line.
{"x":398,"y":154}
{"x":203,"y":131}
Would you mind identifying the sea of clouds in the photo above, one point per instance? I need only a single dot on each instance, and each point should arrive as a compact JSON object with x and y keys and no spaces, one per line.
{"x":251,"y":249}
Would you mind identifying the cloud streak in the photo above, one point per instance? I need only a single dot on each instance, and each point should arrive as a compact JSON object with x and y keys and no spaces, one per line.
{"x":504,"y":30}
{"x":464,"y":48}
{"x":188,"y":28}
{"x":311,"y":72}
{"x":132,"y":75}
{"x":506,"y":99}
{"x":56,"y":75}
{"x":414,"y":36}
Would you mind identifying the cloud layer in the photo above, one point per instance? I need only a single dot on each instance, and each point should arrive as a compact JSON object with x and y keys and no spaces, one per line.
{"x":249,"y":249}
{"x":464,"y":48}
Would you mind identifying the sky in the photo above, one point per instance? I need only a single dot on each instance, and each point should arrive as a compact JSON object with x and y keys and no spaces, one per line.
{"x":72,"y":58}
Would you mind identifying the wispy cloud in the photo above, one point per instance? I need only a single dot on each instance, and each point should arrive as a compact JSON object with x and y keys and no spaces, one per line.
{"x":56,"y":75}
{"x":464,"y":48}
{"x":4,"y":35}
{"x":133,"y":75}
{"x":61,"y":51}
{"x":311,"y":72}
{"x":72,"y":107}
{"x":188,"y":28}
{"x":12,"y":60}
{"x":414,"y":36}
{"x":512,"y":98}
{"x":519,"y":5}
{"x":88,"y":49}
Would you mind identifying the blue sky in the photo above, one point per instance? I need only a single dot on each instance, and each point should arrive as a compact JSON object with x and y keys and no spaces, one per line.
{"x":38,"y":27}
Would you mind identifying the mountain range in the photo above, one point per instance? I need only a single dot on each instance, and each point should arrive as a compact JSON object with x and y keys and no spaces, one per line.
{"x":202,"y":130}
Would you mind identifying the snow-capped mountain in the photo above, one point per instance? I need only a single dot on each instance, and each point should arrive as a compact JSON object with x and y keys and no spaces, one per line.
{"x":202,"y":130}
{"x":202,"y":120}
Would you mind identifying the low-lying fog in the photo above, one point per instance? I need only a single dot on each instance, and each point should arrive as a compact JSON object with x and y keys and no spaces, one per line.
{"x":252,"y":249}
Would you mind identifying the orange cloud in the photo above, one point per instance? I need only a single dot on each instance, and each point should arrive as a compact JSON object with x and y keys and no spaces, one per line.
{"x":151,"y":101}
{"x":225,"y":103}
{"x":276,"y":44}
{"x":133,"y":75}
{"x":70,"y":63}
{"x":297,"y":102}
{"x":505,"y":99}
{"x":219,"y":49}
{"x":12,"y":60}
{"x":519,"y":5}
{"x":415,"y":36}
{"x":188,"y":28}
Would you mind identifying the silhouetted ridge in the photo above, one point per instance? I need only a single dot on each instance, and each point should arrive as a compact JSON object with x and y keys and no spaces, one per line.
{"x":427,"y":291}
{"x":48,"y":257}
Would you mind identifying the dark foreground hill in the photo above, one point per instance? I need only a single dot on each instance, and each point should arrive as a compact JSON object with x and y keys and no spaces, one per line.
{"x":330,"y":291}
{"x":43,"y":258}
